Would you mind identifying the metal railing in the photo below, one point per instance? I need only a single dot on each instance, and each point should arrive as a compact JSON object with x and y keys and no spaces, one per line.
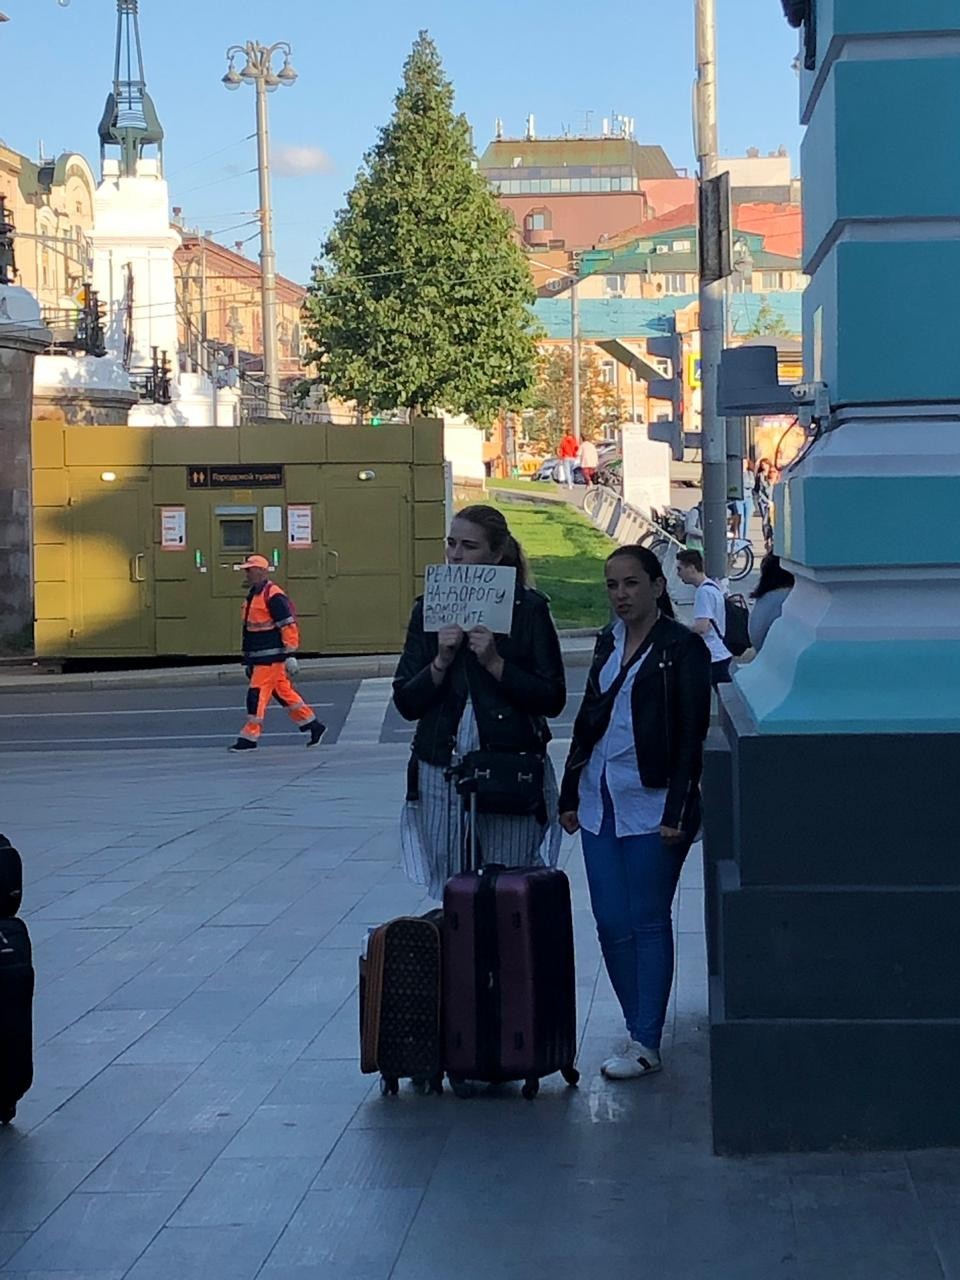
{"x":153,"y":382}
{"x":77,"y":330}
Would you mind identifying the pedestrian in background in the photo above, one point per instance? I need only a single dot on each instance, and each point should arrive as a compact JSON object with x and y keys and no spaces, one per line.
{"x":709,"y":613}
{"x":588,"y":460}
{"x":470,"y":691}
{"x":567,"y":453}
{"x":770,"y":595}
{"x":763,"y":496}
{"x":742,"y":508}
{"x":632,"y":788}
{"x":271,"y":639}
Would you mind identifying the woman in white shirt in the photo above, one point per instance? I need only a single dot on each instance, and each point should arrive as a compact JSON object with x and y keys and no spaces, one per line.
{"x":632,"y":788}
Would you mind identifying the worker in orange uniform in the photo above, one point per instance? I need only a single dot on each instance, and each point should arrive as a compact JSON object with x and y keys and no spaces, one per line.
{"x":271,"y":639}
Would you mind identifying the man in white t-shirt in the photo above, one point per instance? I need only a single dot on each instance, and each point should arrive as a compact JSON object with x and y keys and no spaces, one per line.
{"x":709,"y":613}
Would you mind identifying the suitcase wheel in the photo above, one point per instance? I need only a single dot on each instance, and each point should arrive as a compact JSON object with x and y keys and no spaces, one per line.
{"x":571,"y":1075}
{"x":7,"y":1114}
{"x":425,"y":1085}
{"x":389,"y":1086}
{"x":462,"y":1088}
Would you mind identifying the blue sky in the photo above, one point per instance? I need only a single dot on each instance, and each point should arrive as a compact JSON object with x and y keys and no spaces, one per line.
{"x":504,"y":59}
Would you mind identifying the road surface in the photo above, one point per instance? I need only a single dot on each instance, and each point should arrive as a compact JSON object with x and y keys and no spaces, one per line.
{"x":207,"y":716}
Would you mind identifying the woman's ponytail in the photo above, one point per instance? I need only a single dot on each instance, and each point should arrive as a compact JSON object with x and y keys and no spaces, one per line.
{"x":514,"y":557}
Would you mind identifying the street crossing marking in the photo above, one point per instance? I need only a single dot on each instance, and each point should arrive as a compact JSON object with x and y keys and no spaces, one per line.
{"x":364,"y":722}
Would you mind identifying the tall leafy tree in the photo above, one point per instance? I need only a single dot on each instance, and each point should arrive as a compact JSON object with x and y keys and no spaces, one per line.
{"x":601,"y":409}
{"x":769,"y":322}
{"x":421,"y":297}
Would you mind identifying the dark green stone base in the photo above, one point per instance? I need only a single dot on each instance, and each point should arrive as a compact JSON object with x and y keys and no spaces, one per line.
{"x":832,"y":876}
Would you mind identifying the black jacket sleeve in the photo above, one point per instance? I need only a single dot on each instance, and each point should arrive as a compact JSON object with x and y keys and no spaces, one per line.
{"x":691,"y":719}
{"x":414,"y":692}
{"x":579,"y":752}
{"x":577,"y":758}
{"x":540,"y":690}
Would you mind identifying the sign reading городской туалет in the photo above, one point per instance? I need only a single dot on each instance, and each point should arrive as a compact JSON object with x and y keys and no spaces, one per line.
{"x":469,"y":595}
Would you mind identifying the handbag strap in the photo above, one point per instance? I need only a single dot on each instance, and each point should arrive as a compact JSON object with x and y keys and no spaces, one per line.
{"x":609,"y":696}
{"x":709,"y":582}
{"x":620,"y":679}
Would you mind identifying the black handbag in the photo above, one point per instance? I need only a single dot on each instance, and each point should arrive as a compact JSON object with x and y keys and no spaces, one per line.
{"x":503,"y":782}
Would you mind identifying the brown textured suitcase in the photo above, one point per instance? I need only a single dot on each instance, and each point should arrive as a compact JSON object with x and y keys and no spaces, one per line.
{"x":509,"y":981}
{"x":400,"y":1028}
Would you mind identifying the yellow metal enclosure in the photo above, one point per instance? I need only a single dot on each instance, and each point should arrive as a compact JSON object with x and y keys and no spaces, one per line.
{"x":138,"y":532}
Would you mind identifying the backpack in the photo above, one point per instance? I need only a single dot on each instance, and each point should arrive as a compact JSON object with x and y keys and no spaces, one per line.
{"x":736,"y":635}
{"x":736,"y":625}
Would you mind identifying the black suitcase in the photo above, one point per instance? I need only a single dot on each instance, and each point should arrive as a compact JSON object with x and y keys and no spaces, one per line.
{"x":16,"y":1016}
{"x":509,"y":984}
{"x":400,"y":1031}
{"x":11,"y":879}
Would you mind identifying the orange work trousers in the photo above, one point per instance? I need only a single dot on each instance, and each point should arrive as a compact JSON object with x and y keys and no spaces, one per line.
{"x":268,"y":682}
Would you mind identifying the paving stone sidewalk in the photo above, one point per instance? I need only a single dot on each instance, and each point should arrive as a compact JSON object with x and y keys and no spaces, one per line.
{"x":198,"y":1112}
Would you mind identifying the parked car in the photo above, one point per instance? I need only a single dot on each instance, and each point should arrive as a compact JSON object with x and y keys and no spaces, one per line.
{"x":547,"y":470}
{"x":609,"y":462}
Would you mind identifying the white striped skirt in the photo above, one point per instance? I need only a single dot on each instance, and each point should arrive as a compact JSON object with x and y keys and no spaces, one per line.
{"x":433,"y":830}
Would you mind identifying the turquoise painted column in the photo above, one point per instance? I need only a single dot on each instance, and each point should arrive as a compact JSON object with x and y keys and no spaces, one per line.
{"x":870,"y":520}
{"x":832,"y":787}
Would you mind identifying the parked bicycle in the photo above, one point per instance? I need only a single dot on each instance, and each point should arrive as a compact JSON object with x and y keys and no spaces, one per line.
{"x":740,"y":554}
{"x":740,"y":558}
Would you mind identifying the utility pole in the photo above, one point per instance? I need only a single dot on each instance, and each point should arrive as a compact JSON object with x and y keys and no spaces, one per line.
{"x":259,"y":71}
{"x":713,"y":427}
{"x":235,"y":328}
{"x":268,"y":259}
{"x":575,"y":352}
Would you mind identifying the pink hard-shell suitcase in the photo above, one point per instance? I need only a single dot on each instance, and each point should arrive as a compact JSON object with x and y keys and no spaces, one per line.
{"x":509,"y":987}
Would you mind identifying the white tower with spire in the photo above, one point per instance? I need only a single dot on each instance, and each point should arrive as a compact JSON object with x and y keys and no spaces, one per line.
{"x":134,"y":244}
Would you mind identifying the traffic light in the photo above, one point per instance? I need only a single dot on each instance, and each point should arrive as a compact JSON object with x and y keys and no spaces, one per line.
{"x":669,"y":347}
{"x":376,"y":422}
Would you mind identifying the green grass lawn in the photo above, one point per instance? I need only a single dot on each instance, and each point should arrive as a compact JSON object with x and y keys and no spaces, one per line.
{"x":528,"y":486}
{"x":566,"y":554}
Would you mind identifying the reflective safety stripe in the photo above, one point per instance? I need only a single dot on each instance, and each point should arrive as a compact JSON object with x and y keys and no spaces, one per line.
{"x":262,"y":626}
{"x":296,"y":706}
{"x":285,"y":622}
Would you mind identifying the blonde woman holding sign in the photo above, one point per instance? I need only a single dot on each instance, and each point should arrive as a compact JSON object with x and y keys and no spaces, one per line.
{"x":471,"y":690}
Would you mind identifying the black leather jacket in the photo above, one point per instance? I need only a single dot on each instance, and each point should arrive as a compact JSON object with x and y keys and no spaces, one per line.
{"x":670,"y":701}
{"x":511,"y":712}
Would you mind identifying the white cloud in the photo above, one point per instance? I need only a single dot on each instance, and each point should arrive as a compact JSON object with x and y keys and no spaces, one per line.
{"x":297,"y":162}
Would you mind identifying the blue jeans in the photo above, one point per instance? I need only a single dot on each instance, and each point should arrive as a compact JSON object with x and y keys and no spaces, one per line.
{"x":632,"y":882}
{"x":744,"y":508}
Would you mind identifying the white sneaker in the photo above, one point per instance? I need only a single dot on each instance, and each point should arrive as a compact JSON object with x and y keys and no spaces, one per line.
{"x":636,"y":1060}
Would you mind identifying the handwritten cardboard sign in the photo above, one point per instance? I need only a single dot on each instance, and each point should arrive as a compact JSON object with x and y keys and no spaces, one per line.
{"x":469,"y":595}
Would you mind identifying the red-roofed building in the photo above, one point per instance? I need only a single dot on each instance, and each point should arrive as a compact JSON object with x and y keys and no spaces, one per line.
{"x":569,"y":193}
{"x":683,"y":216}
{"x":664,"y":194}
{"x":781,"y":226}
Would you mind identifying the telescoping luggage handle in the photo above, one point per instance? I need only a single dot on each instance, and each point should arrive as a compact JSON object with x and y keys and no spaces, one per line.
{"x":466,"y":783}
